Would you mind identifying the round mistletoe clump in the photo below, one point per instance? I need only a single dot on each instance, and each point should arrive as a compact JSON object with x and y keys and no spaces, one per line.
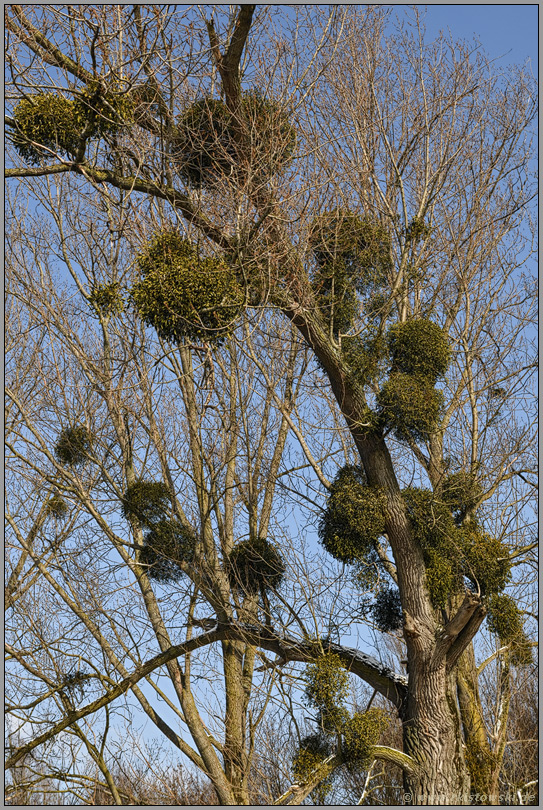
{"x":107,"y":108}
{"x":417,"y":230}
{"x":360,"y":734}
{"x":326,"y":689}
{"x":336,"y":296}
{"x":107,"y":299}
{"x":354,"y":517}
{"x":387,"y":610}
{"x":167,"y":545}
{"x":505,"y":619}
{"x":431,"y":521}
{"x":211,"y":143}
{"x":256,"y":565}
{"x":148,"y":501}
{"x":57,"y":507}
{"x":443,"y":575}
{"x":410,"y":406}
{"x":434,"y":529}
{"x":351,"y":255}
{"x":420,"y":348}
{"x":364,"y":355}
{"x":183,"y":295}
{"x":486,"y":559}
{"x":73,"y":446}
{"x":313,"y":751}
{"x":52,"y":122}
{"x":461,"y":492}
{"x":358,"y":245}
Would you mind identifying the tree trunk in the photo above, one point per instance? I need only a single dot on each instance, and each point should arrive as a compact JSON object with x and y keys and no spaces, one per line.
{"x":432,"y":736}
{"x":431,"y":720}
{"x":480,"y":759}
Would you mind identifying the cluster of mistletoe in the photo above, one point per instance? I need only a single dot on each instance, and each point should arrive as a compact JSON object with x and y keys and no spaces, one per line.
{"x":454,"y":552}
{"x":354,"y":517}
{"x":255,"y":566}
{"x":52,"y":122}
{"x":353,"y":735}
{"x":352,"y":256}
{"x":457,"y":551}
{"x":107,"y":299}
{"x":56,"y":507}
{"x":184,"y":295}
{"x":211,"y":142}
{"x":409,"y":403}
{"x":168,"y":543}
{"x":73,"y":446}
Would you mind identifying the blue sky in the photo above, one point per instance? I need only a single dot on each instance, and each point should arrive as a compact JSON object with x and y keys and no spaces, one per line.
{"x":508,"y":30}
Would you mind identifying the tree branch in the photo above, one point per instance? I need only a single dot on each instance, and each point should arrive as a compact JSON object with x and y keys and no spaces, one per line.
{"x":121,"y":688}
{"x":228,"y":64}
{"x":131,"y":184}
{"x":379,"y":676}
{"x":465,"y":636}
{"x":41,"y":46}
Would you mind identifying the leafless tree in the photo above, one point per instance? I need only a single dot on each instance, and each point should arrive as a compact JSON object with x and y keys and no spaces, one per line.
{"x":284,"y":145}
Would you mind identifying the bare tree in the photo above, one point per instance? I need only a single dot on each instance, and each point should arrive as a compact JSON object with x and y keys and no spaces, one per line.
{"x":375,"y":192}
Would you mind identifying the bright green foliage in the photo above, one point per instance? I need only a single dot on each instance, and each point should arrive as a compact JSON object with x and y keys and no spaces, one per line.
{"x":53,"y":121}
{"x":410,"y":406}
{"x":73,"y":445}
{"x":107,"y":298}
{"x":314,"y":749}
{"x":461,"y":492}
{"x":486,"y":559}
{"x":419,"y":348}
{"x":256,"y":565}
{"x":354,"y":517}
{"x":167,"y":544}
{"x":148,"y":501}
{"x":363,"y":354}
{"x":505,"y":619}
{"x":360,"y":733}
{"x":56,"y":507}
{"x":352,"y":255}
{"x":452,"y":552}
{"x":107,"y":110}
{"x":435,"y":531}
{"x":408,"y":402}
{"x":443,"y":576}
{"x":326,"y":688}
{"x":56,"y":123}
{"x":431,"y":521}
{"x":332,"y":719}
{"x":387,"y":610}
{"x":183,"y":295}
{"x":417,"y":230}
{"x":210,"y":143}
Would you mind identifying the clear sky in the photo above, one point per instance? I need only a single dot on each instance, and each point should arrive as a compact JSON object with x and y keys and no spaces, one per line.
{"x":509,"y":30}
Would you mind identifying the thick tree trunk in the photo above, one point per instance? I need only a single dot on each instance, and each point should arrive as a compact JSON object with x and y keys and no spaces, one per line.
{"x":432,"y":737}
{"x":431,"y":718}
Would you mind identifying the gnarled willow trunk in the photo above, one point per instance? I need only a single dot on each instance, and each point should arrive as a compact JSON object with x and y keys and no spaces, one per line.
{"x":432,"y":737}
